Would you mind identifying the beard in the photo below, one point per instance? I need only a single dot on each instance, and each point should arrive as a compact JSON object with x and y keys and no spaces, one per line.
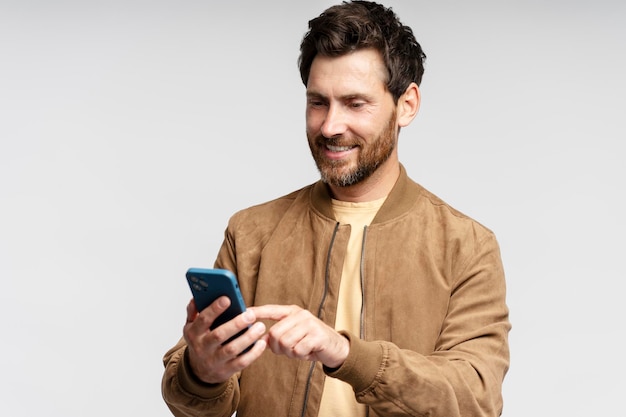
{"x":372,"y":155}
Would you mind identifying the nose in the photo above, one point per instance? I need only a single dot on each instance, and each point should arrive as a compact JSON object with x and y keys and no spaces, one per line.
{"x":334,"y":123}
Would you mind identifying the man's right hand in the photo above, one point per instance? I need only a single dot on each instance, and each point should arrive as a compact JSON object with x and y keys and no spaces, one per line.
{"x":211,"y":361}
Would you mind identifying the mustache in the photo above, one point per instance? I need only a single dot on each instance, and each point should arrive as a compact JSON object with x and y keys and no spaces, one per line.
{"x":335,"y":141}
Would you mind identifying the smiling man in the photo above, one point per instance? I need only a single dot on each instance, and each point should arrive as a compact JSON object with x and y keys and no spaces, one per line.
{"x":368,"y":295}
{"x":353,"y":124}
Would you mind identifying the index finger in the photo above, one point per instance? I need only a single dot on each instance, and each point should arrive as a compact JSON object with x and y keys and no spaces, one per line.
{"x":205,"y":318}
{"x":275,"y":312}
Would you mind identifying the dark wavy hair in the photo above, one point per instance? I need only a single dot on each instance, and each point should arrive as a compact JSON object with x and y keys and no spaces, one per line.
{"x":354,"y":25}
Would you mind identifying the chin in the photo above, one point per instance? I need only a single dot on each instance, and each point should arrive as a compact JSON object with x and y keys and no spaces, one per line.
{"x":344,"y":179}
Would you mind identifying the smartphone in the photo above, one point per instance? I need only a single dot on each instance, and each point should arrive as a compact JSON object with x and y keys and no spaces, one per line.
{"x":209,"y":284}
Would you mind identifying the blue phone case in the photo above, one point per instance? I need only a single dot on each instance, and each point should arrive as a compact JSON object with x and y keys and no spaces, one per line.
{"x":209,"y":284}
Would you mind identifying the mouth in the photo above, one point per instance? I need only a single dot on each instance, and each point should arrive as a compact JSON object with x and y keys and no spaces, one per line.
{"x":338,"y":153}
{"x":333,"y":148}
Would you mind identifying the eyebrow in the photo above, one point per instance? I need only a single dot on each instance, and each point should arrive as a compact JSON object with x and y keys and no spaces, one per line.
{"x":312,"y":94}
{"x":351,"y":96}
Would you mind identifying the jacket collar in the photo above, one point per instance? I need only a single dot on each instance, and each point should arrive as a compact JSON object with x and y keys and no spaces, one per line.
{"x":402,"y":196}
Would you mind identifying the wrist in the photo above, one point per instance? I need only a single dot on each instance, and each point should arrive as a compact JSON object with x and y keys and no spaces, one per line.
{"x":343,"y":349}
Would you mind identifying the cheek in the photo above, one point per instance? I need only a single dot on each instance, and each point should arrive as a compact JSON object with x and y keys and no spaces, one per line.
{"x":313,"y":122}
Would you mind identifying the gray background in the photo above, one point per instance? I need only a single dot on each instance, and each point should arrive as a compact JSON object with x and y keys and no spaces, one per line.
{"x":131,"y":130}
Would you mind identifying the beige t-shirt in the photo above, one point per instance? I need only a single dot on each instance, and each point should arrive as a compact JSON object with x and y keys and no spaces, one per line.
{"x":338,"y":397}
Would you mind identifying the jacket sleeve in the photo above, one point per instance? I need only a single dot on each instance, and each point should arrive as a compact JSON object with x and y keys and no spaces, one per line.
{"x":186,"y":396}
{"x":183,"y":392}
{"x":463,"y":375}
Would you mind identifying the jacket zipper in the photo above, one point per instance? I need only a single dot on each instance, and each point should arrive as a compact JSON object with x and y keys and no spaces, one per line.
{"x":319,"y":316}
{"x":361,"y":267}
{"x":362,"y":318}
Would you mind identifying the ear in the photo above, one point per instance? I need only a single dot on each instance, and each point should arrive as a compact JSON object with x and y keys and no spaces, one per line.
{"x":408,"y":105}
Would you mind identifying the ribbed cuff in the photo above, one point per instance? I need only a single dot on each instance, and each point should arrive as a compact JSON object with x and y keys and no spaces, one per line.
{"x":190,"y":383}
{"x":362,"y":365}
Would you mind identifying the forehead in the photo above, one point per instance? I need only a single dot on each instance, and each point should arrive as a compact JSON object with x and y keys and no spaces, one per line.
{"x":359,"y":71}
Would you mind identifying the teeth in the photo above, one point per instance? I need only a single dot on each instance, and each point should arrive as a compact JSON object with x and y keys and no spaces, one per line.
{"x":338,"y":148}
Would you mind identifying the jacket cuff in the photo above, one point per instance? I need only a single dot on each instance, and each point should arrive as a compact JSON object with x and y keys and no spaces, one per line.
{"x":192,"y":385}
{"x":363,"y":364}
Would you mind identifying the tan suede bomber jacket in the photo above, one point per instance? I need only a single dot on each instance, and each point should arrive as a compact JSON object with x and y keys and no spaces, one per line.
{"x":435,"y":322}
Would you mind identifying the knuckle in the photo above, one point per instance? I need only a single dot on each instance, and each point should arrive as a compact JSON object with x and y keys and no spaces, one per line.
{"x":230,"y":350}
{"x":219,"y":334}
{"x":274,"y":333}
{"x":203,"y":320}
{"x":305,"y":314}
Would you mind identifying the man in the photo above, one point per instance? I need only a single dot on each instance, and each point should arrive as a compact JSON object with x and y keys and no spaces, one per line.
{"x":369,"y":295}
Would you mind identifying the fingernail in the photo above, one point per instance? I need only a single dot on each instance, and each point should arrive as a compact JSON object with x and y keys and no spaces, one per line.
{"x":248,"y":317}
{"x":258,"y":328}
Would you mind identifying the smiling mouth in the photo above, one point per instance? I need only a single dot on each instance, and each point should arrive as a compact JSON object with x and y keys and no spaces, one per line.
{"x":338,"y":148}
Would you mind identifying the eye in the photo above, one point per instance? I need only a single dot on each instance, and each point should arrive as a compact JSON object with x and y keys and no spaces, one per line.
{"x":313,"y":102}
